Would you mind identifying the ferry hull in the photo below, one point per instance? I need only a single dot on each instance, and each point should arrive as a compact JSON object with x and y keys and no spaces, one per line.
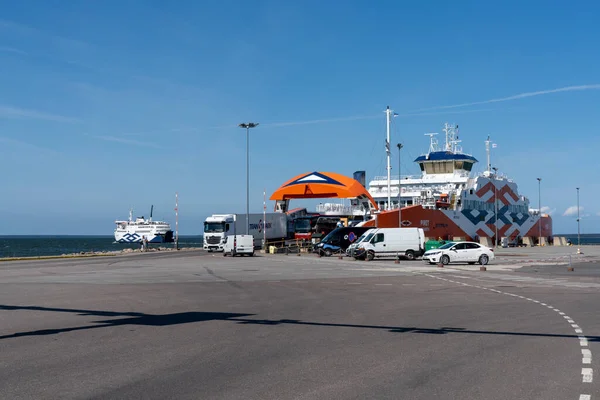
{"x":464,"y":224}
{"x":132,"y":237}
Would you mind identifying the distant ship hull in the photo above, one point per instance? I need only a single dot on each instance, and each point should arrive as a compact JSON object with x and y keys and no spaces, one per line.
{"x":133,"y":236}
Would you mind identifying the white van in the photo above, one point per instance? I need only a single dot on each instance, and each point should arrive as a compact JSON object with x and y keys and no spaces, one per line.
{"x":238,"y":244}
{"x":392,"y":242}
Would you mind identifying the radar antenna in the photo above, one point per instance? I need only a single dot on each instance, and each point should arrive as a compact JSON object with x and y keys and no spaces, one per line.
{"x":433,"y":143}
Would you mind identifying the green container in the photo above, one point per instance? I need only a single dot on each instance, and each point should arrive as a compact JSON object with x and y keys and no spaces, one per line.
{"x":433,"y":244}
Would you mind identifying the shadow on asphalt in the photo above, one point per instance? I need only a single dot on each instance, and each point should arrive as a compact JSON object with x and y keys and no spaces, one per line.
{"x":191,"y":317}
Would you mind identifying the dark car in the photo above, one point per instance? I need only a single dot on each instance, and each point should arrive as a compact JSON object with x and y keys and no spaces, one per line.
{"x":338,"y":240}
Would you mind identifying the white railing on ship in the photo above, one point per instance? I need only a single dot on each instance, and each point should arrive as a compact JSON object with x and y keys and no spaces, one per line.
{"x":395,"y":177}
{"x":339,"y":208}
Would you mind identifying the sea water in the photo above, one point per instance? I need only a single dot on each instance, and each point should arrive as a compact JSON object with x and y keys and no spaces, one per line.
{"x":35,"y":246}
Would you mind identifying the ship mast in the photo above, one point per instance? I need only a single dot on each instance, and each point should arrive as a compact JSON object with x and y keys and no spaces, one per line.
{"x":487,"y":150}
{"x":388,"y":115}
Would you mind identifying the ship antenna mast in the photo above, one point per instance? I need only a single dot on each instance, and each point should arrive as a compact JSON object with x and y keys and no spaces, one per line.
{"x":388,"y":115}
{"x":487,"y":151}
{"x":448,"y":131}
{"x":433,"y":143}
{"x":151,"y":209}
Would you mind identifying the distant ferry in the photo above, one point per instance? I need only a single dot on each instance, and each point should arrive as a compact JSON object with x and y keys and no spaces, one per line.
{"x":450,"y":202}
{"x":131,"y":231}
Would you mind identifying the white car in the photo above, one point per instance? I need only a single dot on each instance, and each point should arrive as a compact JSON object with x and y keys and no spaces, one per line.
{"x":459,"y":252}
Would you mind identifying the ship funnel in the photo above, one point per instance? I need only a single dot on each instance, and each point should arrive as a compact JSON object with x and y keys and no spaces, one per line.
{"x":151,"y":209}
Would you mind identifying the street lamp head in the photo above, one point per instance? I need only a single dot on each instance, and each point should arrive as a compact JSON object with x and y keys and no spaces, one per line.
{"x":399,"y":145}
{"x":539,"y":179}
{"x":248,"y":125}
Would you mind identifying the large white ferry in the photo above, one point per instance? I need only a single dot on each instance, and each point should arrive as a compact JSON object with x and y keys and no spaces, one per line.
{"x":448,"y":201}
{"x":133,"y":231}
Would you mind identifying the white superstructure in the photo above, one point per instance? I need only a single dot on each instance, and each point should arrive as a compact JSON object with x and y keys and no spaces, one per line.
{"x":133,"y":231}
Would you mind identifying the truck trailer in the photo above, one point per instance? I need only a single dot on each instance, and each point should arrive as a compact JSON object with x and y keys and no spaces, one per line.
{"x":272,"y":227}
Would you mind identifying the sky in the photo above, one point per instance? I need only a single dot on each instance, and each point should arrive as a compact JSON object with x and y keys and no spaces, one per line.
{"x":110,"y":105}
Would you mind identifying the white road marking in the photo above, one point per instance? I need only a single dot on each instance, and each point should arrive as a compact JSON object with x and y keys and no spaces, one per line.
{"x":383,"y":284}
{"x":587,"y":356}
{"x":588,"y":374}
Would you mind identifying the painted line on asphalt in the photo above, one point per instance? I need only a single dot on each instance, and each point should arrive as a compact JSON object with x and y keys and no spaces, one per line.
{"x":586,"y":372}
{"x":587,"y":356}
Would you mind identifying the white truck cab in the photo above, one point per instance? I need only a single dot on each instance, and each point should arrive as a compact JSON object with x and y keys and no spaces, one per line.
{"x":216,"y":229}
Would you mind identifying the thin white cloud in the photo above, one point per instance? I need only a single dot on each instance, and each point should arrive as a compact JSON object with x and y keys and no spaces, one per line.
{"x":346,"y":119}
{"x":549,"y":211}
{"x":14,"y":112}
{"x":20,"y":143}
{"x":572,"y":211}
{"x":25,"y":30}
{"x":518,"y":96}
{"x":127,"y":141}
{"x":5,"y":49}
{"x":320,"y":121}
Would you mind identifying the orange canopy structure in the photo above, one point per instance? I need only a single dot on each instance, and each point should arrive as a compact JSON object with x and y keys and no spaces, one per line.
{"x":319,"y":185}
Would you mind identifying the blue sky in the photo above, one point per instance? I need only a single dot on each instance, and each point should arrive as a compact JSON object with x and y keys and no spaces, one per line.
{"x":117,"y":104}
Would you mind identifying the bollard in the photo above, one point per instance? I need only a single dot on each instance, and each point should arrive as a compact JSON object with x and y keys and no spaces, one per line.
{"x":482,"y":268}
{"x":287,"y":251}
{"x":570,"y":268}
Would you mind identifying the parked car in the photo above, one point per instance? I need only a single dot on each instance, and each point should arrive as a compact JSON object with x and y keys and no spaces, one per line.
{"x":338,"y":240}
{"x":460,"y":252}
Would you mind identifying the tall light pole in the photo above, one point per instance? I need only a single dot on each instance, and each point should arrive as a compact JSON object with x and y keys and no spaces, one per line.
{"x":540,"y":209}
{"x":578,"y":232}
{"x":247,"y":126}
{"x":399,"y":145}
{"x":495,"y":208}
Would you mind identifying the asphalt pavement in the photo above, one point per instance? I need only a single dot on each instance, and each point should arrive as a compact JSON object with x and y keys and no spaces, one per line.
{"x":196,"y":325}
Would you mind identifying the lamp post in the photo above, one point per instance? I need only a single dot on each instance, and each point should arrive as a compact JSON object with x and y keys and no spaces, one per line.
{"x":495,"y":209}
{"x":540,"y":209}
{"x":247,"y":126}
{"x":399,"y":145}
{"x":578,"y":231}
